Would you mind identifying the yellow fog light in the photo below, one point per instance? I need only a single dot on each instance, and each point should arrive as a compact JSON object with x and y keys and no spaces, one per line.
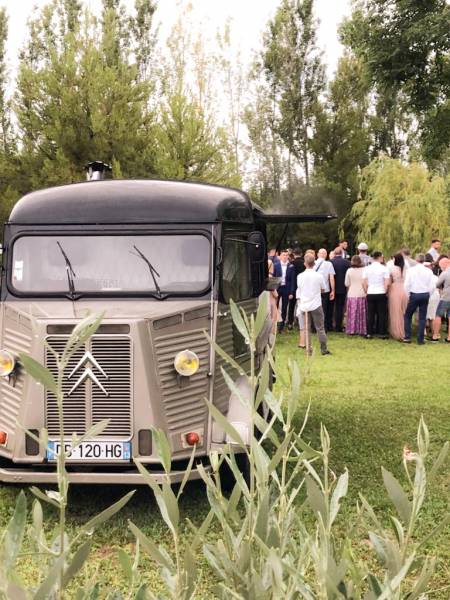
{"x":7,"y":363}
{"x":186,"y":363}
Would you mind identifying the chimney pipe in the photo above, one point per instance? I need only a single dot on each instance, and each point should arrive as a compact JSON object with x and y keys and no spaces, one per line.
{"x":96,"y":170}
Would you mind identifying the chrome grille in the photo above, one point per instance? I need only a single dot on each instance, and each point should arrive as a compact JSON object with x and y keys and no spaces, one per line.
{"x":184,"y":407}
{"x":115,"y":359}
{"x":88,"y":404}
{"x":75,"y":405}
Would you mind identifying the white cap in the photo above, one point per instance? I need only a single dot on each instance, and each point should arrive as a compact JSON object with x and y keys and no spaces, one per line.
{"x":363,"y":246}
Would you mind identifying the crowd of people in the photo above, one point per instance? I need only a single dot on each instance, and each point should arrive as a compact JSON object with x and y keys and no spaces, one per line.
{"x":361,"y":295}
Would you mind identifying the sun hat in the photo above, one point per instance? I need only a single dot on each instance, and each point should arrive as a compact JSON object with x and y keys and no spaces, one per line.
{"x":363,"y":246}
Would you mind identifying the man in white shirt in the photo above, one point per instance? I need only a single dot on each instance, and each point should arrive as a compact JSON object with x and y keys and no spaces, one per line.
{"x":310,"y":285}
{"x":376,"y":280}
{"x":435,"y":249}
{"x":419,"y":284}
{"x":326,"y":269}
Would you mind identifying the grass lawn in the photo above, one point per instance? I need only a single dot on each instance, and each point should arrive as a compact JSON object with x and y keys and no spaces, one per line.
{"x":369,"y":394}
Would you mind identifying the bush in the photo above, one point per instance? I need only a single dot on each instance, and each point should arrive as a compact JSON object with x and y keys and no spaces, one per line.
{"x":277,"y":527}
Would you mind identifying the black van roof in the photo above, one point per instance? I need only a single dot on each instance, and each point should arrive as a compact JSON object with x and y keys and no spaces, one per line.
{"x":133,"y":201}
{"x":140,"y":201}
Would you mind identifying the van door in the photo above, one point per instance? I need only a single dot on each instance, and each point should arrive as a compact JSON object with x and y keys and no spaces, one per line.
{"x":235,"y":284}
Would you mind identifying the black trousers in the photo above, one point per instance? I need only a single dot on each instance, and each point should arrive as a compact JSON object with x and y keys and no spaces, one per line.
{"x":283,"y":297}
{"x":377,"y":314}
{"x":416,"y":301}
{"x":291,"y":310}
{"x":339,"y":306}
{"x":327,"y":306}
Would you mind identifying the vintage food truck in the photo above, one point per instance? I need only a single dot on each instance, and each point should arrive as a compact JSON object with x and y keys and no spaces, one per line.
{"x":161,"y":260}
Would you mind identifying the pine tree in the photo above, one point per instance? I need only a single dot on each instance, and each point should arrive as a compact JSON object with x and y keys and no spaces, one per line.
{"x":79,"y":96}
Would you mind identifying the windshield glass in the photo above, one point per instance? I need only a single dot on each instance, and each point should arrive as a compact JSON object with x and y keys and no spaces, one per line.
{"x":160,"y":264}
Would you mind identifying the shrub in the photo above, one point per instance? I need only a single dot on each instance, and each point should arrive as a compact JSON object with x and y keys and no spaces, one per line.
{"x":277,"y":526}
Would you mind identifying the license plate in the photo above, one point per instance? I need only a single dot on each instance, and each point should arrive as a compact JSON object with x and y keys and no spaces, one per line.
{"x":92,"y":450}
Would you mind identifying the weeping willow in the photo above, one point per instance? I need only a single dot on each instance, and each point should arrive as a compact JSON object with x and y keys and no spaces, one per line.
{"x":401,"y":205}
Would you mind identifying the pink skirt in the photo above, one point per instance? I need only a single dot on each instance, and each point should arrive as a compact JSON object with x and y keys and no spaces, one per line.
{"x":356,"y":316}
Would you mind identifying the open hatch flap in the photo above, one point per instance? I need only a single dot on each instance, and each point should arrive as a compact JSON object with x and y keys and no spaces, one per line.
{"x":292,"y":218}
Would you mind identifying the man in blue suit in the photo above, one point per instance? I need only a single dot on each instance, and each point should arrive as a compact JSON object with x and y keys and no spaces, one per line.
{"x":284,"y":269}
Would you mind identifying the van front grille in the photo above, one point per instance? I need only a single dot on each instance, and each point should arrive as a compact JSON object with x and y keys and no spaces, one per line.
{"x":106,"y":394}
{"x":184,"y":405}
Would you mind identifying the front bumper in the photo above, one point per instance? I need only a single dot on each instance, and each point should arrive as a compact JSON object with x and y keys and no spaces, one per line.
{"x":126,"y":477}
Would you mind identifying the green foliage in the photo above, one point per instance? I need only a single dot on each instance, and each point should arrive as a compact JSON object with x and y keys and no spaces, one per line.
{"x":343,"y":137}
{"x":189,"y":142}
{"x":79,"y":96}
{"x":188,"y":146}
{"x":58,"y":559}
{"x":269,"y":175}
{"x":401,"y":205}
{"x":267,"y":547}
{"x":294,"y":71}
{"x":283,"y":532}
{"x":406,"y":48}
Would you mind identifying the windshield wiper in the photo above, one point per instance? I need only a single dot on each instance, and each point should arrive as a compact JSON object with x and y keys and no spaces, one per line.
{"x":70,"y":272}
{"x":153,"y":272}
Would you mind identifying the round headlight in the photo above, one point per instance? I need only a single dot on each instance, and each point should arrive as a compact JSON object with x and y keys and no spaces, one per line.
{"x":186,"y":363}
{"x":7,"y":363}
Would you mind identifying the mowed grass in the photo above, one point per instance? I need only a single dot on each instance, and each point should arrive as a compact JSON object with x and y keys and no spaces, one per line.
{"x":369,"y":394}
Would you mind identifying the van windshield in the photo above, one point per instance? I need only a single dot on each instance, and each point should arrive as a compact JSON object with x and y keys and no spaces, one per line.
{"x":109,"y":264}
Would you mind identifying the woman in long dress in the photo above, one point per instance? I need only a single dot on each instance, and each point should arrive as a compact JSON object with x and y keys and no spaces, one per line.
{"x":356,"y":323}
{"x":432,"y":304}
{"x":397,"y":298}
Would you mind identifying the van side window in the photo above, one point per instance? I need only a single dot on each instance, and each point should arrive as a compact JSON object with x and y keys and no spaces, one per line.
{"x":236,"y":277}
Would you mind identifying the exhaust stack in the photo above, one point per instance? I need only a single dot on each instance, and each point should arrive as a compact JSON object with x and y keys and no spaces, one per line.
{"x":96,"y":170}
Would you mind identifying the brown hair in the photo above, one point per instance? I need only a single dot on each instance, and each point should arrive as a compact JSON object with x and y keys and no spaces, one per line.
{"x":356,"y":262}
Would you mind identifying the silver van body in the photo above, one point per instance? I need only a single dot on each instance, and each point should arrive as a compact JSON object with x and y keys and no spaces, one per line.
{"x":160,"y":260}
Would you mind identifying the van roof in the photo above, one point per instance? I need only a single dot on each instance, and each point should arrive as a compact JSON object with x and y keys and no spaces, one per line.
{"x":133,"y":201}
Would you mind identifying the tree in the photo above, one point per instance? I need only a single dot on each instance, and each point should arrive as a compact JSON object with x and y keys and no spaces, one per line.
{"x":342,"y":142}
{"x":189,"y":142}
{"x":10,"y":180}
{"x":293,"y":69}
{"x":267,"y":163}
{"x":145,"y":36}
{"x":405,"y":45}
{"x":232,"y":83}
{"x":79,"y":96}
{"x":401,"y":205}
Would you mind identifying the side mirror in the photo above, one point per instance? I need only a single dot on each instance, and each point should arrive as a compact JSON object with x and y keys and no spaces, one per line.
{"x":257,"y":249}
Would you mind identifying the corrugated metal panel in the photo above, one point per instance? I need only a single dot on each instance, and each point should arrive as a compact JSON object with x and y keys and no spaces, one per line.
{"x":11,"y":396}
{"x":88,"y":404}
{"x":224,"y":339}
{"x":184,"y":406}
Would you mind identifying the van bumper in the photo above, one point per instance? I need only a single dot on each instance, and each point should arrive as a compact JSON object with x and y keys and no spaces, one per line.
{"x":128,"y":477}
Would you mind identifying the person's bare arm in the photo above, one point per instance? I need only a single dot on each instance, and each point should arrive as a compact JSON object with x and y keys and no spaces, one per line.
{"x":332,"y":286}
